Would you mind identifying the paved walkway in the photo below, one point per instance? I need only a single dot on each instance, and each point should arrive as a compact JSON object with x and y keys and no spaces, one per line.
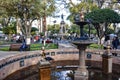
{"x":65,"y":44}
{"x":61,"y":45}
{"x":5,"y":54}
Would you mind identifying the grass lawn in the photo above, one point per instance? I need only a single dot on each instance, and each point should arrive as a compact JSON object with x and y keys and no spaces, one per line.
{"x":4,"y":49}
{"x":36,"y":46}
{"x":39,"y":46}
{"x":95,"y":46}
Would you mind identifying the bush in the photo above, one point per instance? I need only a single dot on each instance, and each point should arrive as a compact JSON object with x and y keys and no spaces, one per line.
{"x":95,"y":46}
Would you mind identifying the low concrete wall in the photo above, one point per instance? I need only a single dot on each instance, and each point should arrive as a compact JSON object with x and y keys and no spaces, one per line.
{"x":22,"y":60}
{"x":18,"y":61}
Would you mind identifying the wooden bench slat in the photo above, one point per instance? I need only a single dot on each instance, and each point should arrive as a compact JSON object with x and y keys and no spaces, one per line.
{"x":15,"y":47}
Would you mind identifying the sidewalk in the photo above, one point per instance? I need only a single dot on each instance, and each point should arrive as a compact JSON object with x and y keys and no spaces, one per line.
{"x":5,"y":54}
{"x":65,"y":46}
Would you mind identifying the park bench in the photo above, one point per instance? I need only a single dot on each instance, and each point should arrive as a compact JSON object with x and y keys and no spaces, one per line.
{"x":15,"y":47}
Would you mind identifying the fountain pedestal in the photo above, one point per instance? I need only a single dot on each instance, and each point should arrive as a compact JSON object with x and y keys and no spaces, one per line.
{"x":107,"y":61}
{"x":44,"y":70}
{"x":107,"y":64}
{"x":81,"y":73}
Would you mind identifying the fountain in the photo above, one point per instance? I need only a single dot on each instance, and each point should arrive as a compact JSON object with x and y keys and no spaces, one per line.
{"x":81,"y":73}
{"x":48,"y":72}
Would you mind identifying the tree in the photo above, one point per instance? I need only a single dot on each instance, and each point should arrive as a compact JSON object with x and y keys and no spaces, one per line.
{"x":74,"y":29}
{"x":27,"y":11}
{"x":89,"y":29}
{"x":48,"y":7}
{"x":54,"y":28}
{"x":6,"y":13}
{"x":101,"y":19}
{"x":10,"y":29}
{"x":84,"y":6}
{"x":33,"y":30}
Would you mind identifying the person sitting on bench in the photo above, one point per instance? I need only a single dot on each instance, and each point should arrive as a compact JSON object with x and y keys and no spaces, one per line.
{"x":23,"y":46}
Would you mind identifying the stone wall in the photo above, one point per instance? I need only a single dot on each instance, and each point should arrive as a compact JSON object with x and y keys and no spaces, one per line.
{"x":22,"y":60}
{"x":18,"y":61}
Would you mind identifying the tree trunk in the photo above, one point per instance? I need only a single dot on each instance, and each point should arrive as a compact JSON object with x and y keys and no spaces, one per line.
{"x":44,"y":25}
{"x":28,"y":42}
{"x":100,"y":41}
{"x":9,"y":37}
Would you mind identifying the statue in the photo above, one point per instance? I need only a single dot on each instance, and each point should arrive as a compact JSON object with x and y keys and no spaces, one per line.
{"x":62,"y":17}
{"x":79,"y":17}
{"x":43,"y":53}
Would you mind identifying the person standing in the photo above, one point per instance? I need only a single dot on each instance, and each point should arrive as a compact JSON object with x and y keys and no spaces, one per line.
{"x":115,"y":42}
{"x":106,"y":42}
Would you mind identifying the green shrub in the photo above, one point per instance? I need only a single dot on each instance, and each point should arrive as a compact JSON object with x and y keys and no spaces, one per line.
{"x":4,"y":49}
{"x":95,"y":46}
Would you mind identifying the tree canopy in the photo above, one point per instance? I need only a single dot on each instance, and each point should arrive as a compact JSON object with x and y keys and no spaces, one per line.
{"x":27,"y":10}
{"x":103,"y":15}
{"x":102,"y":19}
{"x":81,"y":7}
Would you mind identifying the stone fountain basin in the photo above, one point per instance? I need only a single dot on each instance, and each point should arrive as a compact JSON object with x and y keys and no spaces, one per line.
{"x":82,"y":42}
